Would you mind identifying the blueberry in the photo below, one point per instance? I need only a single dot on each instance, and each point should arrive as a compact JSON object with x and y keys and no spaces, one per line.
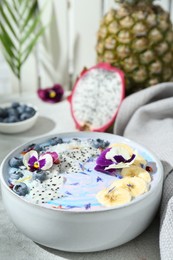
{"x":12,"y":170}
{"x":16,"y":175}
{"x":24,"y":116}
{"x":21,"y":189}
{"x":30,"y":110}
{"x":40,"y":175}
{"x":37,"y":147}
{"x":16,"y":112}
{"x":29,"y":147}
{"x":12,"y":119}
{"x":29,"y":115}
{"x":55,"y":141}
{"x":43,"y":146}
{"x":23,"y":107}
{"x":11,"y":111}
{"x":15,"y":104}
{"x":99,"y":143}
{"x":3,"y":112}
{"x":99,"y":140}
{"x":106,"y":144}
{"x":15,"y":162}
{"x":19,"y":110}
{"x":6,"y":120}
{"x":96,"y":145}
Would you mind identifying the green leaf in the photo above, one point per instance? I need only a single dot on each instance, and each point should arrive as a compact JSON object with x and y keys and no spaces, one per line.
{"x":32,"y":44}
{"x":25,"y":6}
{"x":11,"y":64}
{"x":20,"y":1}
{"x":31,"y":30}
{"x":35,"y":25}
{"x":7,"y":47}
{"x":31,"y":14}
{"x":20,"y":26}
{"x":10,"y":11}
{"x":6,"y":37}
{"x":16,"y":7}
{"x":6,"y":20}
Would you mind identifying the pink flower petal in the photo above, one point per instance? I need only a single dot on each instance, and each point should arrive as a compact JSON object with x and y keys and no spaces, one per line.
{"x":54,"y":157}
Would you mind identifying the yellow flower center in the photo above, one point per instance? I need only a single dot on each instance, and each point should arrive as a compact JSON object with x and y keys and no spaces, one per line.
{"x":52,"y":94}
{"x":36,"y":165}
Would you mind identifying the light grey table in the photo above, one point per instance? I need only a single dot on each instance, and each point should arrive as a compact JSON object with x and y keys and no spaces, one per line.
{"x":56,"y":118}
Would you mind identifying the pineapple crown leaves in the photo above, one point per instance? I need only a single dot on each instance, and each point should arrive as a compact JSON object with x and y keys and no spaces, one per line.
{"x":20,"y":29}
{"x":133,"y":2}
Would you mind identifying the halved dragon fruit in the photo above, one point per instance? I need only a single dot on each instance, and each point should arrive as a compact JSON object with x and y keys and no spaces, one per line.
{"x":96,"y":97}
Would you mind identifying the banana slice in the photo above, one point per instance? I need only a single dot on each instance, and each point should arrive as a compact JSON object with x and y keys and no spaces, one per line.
{"x":113,"y":197}
{"x":138,"y":160}
{"x":124,"y":146}
{"x":137,"y":171}
{"x":135,"y":185}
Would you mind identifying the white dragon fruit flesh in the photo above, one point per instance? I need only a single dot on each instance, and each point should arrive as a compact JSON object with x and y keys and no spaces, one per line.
{"x":96,"y":97}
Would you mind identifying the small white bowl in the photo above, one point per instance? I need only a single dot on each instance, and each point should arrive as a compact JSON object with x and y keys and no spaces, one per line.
{"x":18,"y":127}
{"x":83,"y":231}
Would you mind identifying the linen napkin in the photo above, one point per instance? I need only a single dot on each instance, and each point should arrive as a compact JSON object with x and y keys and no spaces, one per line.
{"x":147,"y":118}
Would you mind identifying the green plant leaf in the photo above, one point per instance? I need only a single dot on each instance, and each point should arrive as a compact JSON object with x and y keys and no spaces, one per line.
{"x":7,"y":48}
{"x":10,"y":11}
{"x":25,"y":6}
{"x":6,"y":40}
{"x":20,"y":1}
{"x":6,"y":20}
{"x":32,"y":29}
{"x":31,"y":13}
{"x":16,"y":7}
{"x":31,"y":45}
{"x":20,"y":28}
{"x":10,"y":61}
{"x":11,"y":64}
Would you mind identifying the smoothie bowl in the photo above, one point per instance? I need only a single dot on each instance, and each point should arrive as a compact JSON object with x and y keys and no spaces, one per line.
{"x":81,"y":192}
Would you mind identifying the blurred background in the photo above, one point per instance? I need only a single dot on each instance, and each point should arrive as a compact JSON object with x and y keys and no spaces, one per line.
{"x":67,"y":45}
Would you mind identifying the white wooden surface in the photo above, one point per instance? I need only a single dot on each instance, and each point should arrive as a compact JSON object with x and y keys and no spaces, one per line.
{"x":67,"y":46}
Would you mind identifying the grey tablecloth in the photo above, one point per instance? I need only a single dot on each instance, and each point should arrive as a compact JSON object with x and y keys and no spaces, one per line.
{"x":15,"y":246}
{"x":147,"y":118}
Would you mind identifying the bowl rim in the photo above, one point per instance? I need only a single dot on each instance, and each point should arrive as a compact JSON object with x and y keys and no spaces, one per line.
{"x":84,"y":135}
{"x":19,"y":123}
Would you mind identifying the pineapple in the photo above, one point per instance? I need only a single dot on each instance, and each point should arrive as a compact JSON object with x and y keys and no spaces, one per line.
{"x":137,"y":38}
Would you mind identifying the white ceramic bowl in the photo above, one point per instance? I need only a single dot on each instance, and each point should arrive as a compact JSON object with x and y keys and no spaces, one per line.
{"x":83,"y":231}
{"x":18,"y":127}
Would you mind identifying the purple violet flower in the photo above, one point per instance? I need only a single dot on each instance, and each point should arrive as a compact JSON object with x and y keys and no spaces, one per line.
{"x":112,"y":159}
{"x":51,"y":95}
{"x":100,"y":168}
{"x":35,"y":162}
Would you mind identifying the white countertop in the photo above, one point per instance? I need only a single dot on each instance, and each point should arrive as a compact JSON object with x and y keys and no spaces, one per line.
{"x":56,"y":118}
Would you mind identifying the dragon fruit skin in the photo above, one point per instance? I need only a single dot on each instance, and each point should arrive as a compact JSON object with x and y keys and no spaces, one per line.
{"x":85,"y":126}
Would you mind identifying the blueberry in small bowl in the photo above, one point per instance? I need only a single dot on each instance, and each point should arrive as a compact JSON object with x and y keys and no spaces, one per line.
{"x":17,"y":117}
